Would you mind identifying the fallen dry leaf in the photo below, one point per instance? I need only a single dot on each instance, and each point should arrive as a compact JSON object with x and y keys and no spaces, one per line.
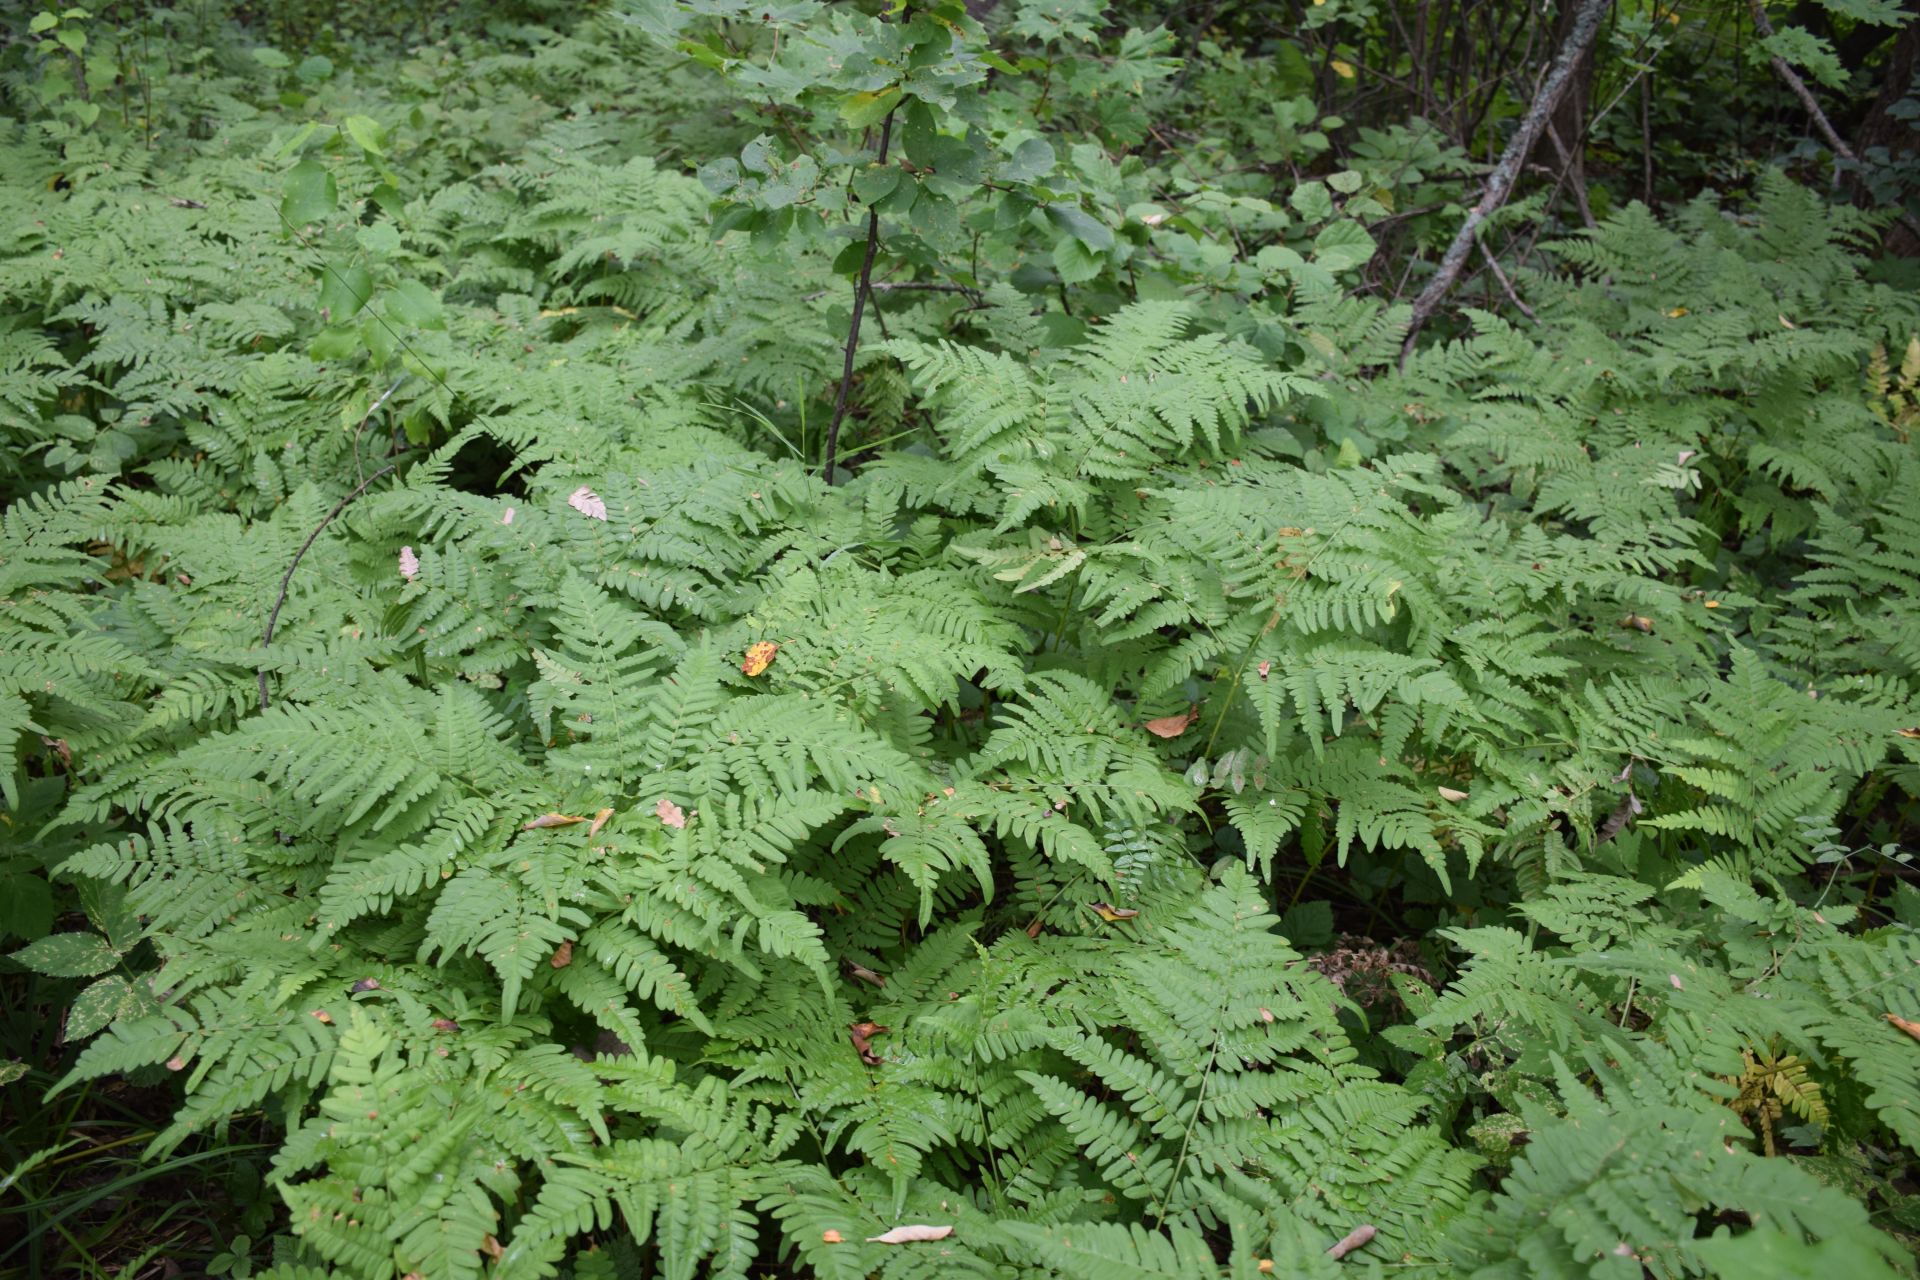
{"x":492,"y":1248}
{"x":445,"y":1024}
{"x":1171,"y":726}
{"x":908,"y":1235}
{"x":176,"y":1064}
{"x":1911,"y":1028}
{"x":321,"y":1015}
{"x":587,"y":503}
{"x":1449,"y":793}
{"x":552,"y":820}
{"x":863,"y":1034}
{"x":1111,"y":913}
{"x":866,"y":975}
{"x":562,"y":955}
{"x":1638,"y":622}
{"x":1263,"y":669}
{"x":830,"y":1236}
{"x":1033,"y":930}
{"x":1354,"y":1239}
{"x":670,"y":813}
{"x":366,"y":984}
{"x":409,"y":564}
{"x":759,"y":657}
{"x":599,"y":821}
{"x":1909,"y":733}
{"x":1266,"y":1266}
{"x":506,"y":517}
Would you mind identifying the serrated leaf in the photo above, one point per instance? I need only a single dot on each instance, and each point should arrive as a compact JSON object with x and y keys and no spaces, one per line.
{"x":68,"y":955}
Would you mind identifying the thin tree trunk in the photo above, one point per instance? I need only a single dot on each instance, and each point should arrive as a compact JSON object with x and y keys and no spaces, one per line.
{"x":1580,"y":36}
{"x":862,"y":290}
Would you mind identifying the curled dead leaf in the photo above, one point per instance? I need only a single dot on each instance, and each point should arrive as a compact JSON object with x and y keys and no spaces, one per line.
{"x":492,"y":1248}
{"x":866,"y":975}
{"x":1354,"y":1239}
{"x":1112,"y":913}
{"x":830,"y":1236}
{"x":911,"y":1234}
{"x":759,"y":657}
{"x":863,"y":1034}
{"x":445,"y":1024}
{"x":562,"y":955}
{"x":1450,"y":793}
{"x":599,"y":821}
{"x":587,"y":503}
{"x":1909,"y":733}
{"x":366,"y":984}
{"x":670,"y":813}
{"x":552,"y":820}
{"x":1911,"y":1028}
{"x":1171,"y":726}
{"x":1637,"y":622}
{"x":321,"y":1015}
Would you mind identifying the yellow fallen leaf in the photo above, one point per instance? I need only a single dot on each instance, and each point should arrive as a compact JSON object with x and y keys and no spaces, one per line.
{"x":1111,"y":914}
{"x":1342,"y":69}
{"x":599,"y":821}
{"x":759,"y":657}
{"x":1637,"y":622}
{"x":1676,"y":313}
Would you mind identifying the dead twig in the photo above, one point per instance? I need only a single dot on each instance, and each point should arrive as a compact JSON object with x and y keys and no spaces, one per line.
{"x":861,"y":291}
{"x":1586,"y":25}
{"x":273,"y":618}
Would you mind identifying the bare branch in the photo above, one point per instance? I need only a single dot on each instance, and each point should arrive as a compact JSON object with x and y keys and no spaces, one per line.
{"x":1586,"y":25}
{"x":861,"y":291}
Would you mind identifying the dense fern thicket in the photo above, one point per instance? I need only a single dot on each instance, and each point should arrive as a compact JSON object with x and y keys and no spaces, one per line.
{"x":1194,"y":794}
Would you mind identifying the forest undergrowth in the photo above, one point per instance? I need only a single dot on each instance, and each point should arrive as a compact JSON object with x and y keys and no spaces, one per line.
{"x":681,"y":638}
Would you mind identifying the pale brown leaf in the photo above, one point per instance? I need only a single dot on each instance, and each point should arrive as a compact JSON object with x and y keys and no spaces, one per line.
{"x":562,"y":955}
{"x":1354,"y":1239}
{"x":587,"y":503}
{"x":1911,"y":1028}
{"x":909,"y":1235}
{"x":552,"y":820}
{"x":1171,"y":726}
{"x":866,"y":975}
{"x":599,"y":821}
{"x":863,"y":1034}
{"x":670,"y":813}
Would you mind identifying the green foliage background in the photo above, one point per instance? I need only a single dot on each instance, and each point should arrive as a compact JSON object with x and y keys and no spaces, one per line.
{"x":1512,"y":866}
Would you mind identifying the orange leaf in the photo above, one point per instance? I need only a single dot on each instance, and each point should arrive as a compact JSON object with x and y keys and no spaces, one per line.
{"x":552,"y":820}
{"x":1911,"y":1028}
{"x":1171,"y":726}
{"x":830,"y":1236}
{"x":599,"y":821}
{"x":1110,"y":914}
{"x":562,"y":955}
{"x":670,"y":813}
{"x":907,"y":1235}
{"x":492,"y":1248}
{"x":759,"y":657}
